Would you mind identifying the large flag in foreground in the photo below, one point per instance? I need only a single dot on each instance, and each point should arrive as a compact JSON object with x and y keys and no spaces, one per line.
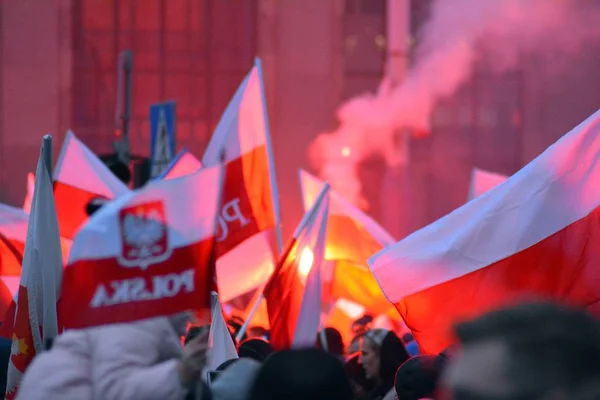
{"x":293,"y":293}
{"x":35,"y":318}
{"x":250,"y":210}
{"x":483,"y":181}
{"x":80,"y":176}
{"x":352,"y":237}
{"x":146,"y":254}
{"x":537,"y":234}
{"x":184,"y":163}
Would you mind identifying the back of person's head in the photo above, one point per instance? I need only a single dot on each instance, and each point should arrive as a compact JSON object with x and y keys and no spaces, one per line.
{"x":234,"y":325}
{"x":258,"y":332}
{"x":540,"y":348}
{"x":334,"y":341}
{"x":407,"y":337}
{"x":417,"y":378}
{"x":256,"y":349}
{"x":236,"y":380}
{"x":362,"y":324}
{"x":300,"y":375}
{"x":121,"y":171}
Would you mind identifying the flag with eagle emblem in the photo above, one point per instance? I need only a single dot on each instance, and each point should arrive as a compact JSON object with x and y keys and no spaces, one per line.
{"x":146,"y":254}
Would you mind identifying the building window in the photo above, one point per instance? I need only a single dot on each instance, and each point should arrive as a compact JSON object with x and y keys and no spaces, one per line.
{"x":364,"y":45}
{"x":193,"y":51}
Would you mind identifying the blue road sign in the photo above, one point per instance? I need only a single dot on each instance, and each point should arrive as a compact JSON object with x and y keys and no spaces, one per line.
{"x":162,"y":136}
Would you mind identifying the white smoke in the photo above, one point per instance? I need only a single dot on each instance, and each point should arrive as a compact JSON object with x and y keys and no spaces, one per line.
{"x":448,"y":45}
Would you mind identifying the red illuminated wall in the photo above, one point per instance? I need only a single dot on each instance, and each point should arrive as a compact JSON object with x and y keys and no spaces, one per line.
{"x":193,"y":51}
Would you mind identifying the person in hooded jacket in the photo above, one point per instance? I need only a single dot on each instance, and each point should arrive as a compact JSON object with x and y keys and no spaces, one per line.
{"x":381,"y":354}
{"x":142,"y":360}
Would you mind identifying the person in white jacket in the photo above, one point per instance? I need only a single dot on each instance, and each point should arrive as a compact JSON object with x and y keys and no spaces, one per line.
{"x":142,"y":360}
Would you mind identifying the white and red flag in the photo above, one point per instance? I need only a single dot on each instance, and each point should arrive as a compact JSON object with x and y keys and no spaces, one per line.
{"x":35,"y":318}
{"x":250,"y":210}
{"x":183,"y":163}
{"x":535,"y":235}
{"x":220,"y":343}
{"x":13,"y":231}
{"x":294,"y":292}
{"x":483,"y":181}
{"x":146,"y":254}
{"x":352,"y":237}
{"x":80,"y":176}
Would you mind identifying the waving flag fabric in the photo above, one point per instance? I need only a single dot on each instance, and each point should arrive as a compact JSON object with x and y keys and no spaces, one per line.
{"x":220,"y":342}
{"x":80,"y":176}
{"x":482,"y":181}
{"x":250,"y":212}
{"x":148,"y":253}
{"x":293,"y":293}
{"x":183,"y":164}
{"x":534,"y":235}
{"x":35,"y":317}
{"x":352,"y":237}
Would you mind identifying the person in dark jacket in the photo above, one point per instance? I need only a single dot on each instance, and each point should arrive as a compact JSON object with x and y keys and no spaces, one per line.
{"x":301,"y":375}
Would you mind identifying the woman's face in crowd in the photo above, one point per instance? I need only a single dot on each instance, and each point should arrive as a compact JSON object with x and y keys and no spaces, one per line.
{"x":369,"y":358}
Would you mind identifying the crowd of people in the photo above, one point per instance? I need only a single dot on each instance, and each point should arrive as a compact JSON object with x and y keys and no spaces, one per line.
{"x":528,"y":351}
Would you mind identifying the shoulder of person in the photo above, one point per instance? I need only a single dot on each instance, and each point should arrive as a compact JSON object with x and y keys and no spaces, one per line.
{"x":391,"y":395}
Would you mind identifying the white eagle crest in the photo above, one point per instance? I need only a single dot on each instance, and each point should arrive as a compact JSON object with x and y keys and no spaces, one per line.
{"x":144,"y":236}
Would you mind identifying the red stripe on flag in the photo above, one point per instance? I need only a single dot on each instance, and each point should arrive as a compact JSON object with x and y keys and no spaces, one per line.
{"x":247,"y":200}
{"x":562,"y":267}
{"x":11,"y":256}
{"x":7,"y":328}
{"x":160,"y":289}
{"x":23,"y":350}
{"x":71,"y":203}
{"x":283,"y":294}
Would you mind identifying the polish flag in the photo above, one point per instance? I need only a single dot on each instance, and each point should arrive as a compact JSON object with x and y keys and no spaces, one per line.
{"x":35,"y":318}
{"x":80,"y":176}
{"x":535,"y":235}
{"x":148,"y":253}
{"x":220,"y":344}
{"x":293,"y":293}
{"x":13,"y":231}
{"x":183,"y":164}
{"x":250,"y":210}
{"x":483,"y":181}
{"x":352,"y":237}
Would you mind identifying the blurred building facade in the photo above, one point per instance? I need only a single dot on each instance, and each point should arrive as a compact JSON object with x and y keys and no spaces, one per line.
{"x":58,"y":71}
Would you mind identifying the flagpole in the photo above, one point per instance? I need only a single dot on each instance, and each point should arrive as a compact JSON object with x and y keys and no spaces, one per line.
{"x":47,"y":152}
{"x":270,"y":158}
{"x":307,"y":217}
